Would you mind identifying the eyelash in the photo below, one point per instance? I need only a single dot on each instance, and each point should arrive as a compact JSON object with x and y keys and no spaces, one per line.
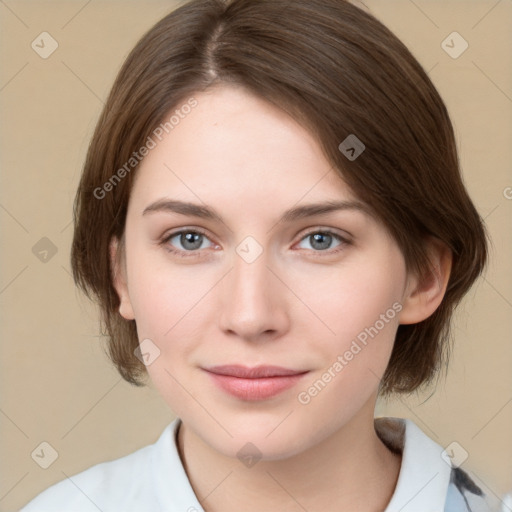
{"x":191,"y":254}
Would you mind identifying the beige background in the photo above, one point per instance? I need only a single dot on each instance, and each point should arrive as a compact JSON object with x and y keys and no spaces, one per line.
{"x":56,"y":383}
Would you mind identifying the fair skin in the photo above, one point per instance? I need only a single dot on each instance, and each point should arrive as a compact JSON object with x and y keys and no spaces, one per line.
{"x":298,"y":305}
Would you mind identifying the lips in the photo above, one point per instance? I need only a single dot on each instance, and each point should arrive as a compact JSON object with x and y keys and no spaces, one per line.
{"x":257,"y":372}
{"x":257,"y":383}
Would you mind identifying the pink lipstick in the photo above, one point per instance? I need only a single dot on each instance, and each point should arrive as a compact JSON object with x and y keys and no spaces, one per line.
{"x":257,"y":383}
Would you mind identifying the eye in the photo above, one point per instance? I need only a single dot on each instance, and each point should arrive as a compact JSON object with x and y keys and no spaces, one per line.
{"x":185,"y":241}
{"x":189,"y":242}
{"x":322,"y":240}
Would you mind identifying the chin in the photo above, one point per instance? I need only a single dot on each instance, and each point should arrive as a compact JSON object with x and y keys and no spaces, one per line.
{"x":273,"y":438}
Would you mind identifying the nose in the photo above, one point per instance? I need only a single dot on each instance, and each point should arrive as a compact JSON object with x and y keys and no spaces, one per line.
{"x":253,"y":301}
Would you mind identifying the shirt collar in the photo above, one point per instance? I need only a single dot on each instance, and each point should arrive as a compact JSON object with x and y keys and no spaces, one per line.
{"x":422,"y":482}
{"x":424,"y":476}
{"x":175,"y":493}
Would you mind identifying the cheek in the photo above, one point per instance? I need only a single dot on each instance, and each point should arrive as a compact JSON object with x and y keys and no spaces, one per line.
{"x":151,"y":306}
{"x":169,"y":311}
{"x":163,"y":295}
{"x":364,"y":321}
{"x":345,"y":301}
{"x":173,"y":309}
{"x":358,"y":311}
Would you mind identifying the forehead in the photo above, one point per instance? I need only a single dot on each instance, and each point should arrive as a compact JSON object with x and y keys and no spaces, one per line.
{"x":234,"y":146}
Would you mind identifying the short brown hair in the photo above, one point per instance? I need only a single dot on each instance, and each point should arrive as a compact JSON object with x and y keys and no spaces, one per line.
{"x":338,"y":71}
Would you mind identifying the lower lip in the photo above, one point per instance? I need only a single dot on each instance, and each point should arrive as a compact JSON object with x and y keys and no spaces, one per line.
{"x":255,"y":389}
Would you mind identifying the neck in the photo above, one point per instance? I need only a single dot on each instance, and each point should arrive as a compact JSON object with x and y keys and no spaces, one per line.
{"x":349,"y":470}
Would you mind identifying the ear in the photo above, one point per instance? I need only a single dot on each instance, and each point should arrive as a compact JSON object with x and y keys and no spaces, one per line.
{"x":117,"y":264}
{"x":424,"y":293}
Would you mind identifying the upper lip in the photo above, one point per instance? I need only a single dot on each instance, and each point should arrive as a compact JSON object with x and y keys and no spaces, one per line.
{"x":256,"y":372}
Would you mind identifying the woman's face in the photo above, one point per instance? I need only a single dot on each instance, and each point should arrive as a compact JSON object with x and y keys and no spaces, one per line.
{"x":259,"y":281}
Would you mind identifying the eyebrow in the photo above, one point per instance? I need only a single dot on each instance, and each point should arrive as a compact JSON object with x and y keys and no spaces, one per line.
{"x":296,"y":213}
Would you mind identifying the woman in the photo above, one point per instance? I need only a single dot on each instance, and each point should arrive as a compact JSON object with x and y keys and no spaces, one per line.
{"x":272,"y":218}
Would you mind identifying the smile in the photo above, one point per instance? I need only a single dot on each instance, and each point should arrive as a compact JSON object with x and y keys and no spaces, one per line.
{"x":258,"y":383}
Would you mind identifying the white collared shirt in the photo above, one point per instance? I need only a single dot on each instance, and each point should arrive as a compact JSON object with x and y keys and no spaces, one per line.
{"x":153,"y":479}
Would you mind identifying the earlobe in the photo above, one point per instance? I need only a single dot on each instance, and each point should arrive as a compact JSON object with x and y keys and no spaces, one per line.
{"x":424,"y":294}
{"x":119,"y":279}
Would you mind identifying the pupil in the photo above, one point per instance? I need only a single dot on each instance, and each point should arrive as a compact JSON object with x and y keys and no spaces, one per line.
{"x":322,"y":240}
{"x":188,"y":238}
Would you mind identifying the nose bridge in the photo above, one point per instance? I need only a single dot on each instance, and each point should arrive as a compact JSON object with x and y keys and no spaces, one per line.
{"x":250,"y":279}
{"x":251,"y":303}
